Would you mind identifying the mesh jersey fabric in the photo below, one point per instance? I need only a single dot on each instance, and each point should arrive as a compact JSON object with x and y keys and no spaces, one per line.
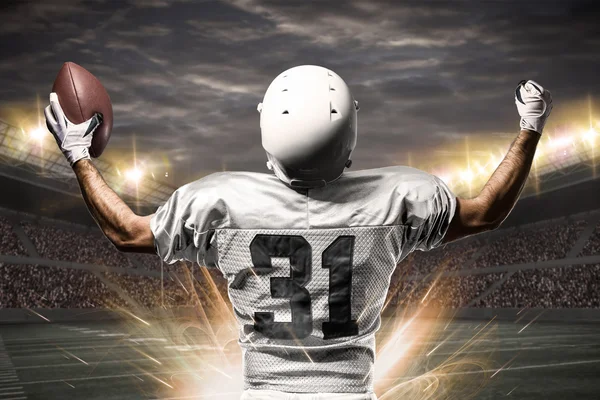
{"x":307,"y":270}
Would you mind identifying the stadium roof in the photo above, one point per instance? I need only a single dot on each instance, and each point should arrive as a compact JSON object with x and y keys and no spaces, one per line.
{"x":560,"y":161}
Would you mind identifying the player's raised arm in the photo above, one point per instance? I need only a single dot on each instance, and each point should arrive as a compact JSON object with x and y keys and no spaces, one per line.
{"x":498,"y":197}
{"x":126,"y":230}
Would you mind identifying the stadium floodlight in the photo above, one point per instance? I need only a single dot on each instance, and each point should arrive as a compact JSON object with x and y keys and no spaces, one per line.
{"x":562,"y":141}
{"x":38,"y":133}
{"x":134,"y":175}
{"x":19,"y":152}
{"x":590,"y":136}
{"x":557,"y":157}
{"x":480,"y":168}
{"x":467,"y":175}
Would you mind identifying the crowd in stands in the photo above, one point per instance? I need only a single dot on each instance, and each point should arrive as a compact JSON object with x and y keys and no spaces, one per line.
{"x":202,"y":288}
{"x":453,"y":256}
{"x":418,"y":279}
{"x":415,"y":277}
{"x":32,"y":286}
{"x":576,"y":286}
{"x":150,"y":262}
{"x":545,"y":242}
{"x":549,"y":241}
{"x":150,"y":292}
{"x":454,"y":292}
{"x":75,"y":246}
{"x":592,"y":246}
{"x":9,"y":242}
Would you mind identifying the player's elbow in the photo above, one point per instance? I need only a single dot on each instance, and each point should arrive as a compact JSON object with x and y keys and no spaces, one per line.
{"x":492,"y":216}
{"x":125,"y":245}
{"x":132,"y":235}
{"x":122,"y":240}
{"x":472,"y":217}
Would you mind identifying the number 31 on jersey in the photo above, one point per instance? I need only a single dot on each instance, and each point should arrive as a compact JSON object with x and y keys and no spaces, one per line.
{"x":337,"y":258}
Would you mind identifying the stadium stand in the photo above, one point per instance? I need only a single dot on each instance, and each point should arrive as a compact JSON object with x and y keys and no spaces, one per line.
{"x":592,"y":247}
{"x":32,"y":286}
{"x":455,"y":275}
{"x":576,"y":286}
{"x":149,"y":261}
{"x":9,"y":243}
{"x":548,"y":241}
{"x":451,"y":257}
{"x":83,"y":247}
{"x":451,"y":292}
{"x":147,"y":292}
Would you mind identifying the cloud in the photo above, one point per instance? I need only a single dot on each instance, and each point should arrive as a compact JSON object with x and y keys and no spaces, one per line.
{"x":147,"y":31}
{"x":221,"y":86}
{"x":40,"y":16}
{"x":185,"y":76}
{"x":230,"y":31}
{"x":156,"y":3}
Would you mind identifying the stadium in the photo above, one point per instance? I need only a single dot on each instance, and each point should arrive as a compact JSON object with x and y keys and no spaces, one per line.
{"x":509,"y":313}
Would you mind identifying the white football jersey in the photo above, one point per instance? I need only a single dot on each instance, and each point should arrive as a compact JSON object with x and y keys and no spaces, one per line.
{"x":308,"y":270}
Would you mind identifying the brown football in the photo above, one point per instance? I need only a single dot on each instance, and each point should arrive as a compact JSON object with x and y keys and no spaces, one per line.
{"x":81,"y":95}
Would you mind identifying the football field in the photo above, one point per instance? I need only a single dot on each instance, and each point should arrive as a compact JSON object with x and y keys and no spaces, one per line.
{"x":108,"y":360}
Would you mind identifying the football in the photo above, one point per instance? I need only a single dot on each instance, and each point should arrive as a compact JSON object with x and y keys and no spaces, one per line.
{"x":81,"y":95}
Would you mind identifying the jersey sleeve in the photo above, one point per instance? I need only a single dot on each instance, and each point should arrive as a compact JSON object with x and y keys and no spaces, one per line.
{"x":428,"y":207}
{"x":184,"y":226}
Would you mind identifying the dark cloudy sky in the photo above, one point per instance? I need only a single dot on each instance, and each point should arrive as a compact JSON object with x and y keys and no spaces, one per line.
{"x":185,"y":76}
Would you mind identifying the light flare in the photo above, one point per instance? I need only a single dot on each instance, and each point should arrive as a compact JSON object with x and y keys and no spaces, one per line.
{"x":38,"y":133}
{"x":197,"y":355}
{"x":134,"y":175}
{"x":38,"y":314}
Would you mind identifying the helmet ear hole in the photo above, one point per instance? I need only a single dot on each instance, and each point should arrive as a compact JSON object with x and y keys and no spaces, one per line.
{"x":334,"y":115}
{"x":286,"y":112}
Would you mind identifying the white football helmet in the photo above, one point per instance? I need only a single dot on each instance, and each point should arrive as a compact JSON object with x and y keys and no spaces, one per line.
{"x":308,"y":126}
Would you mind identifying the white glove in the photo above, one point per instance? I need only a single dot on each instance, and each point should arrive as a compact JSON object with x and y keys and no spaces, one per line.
{"x":74,"y":140}
{"x":534,"y":105}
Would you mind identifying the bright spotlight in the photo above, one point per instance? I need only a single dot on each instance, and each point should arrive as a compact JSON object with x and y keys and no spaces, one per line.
{"x":561,"y":141}
{"x":37,"y":133}
{"x":467,"y":175}
{"x":590,"y":135}
{"x":134,"y":175}
{"x":480,"y":168}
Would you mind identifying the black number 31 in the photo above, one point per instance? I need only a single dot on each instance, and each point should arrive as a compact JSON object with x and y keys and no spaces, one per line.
{"x":337,"y":258}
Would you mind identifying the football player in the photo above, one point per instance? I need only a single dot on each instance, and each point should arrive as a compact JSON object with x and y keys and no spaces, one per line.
{"x":308,"y":251}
